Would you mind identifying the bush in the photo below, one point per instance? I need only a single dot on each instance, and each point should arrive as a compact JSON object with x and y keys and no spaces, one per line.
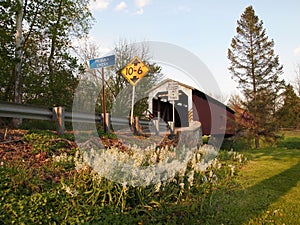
{"x":38,"y":125}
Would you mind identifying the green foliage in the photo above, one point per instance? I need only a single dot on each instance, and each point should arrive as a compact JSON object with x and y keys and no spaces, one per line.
{"x":228,"y":144}
{"x":288,"y":115}
{"x":6,"y":49}
{"x":290,"y":143}
{"x":48,"y":70}
{"x":118,"y":85}
{"x":205,"y":139}
{"x":101,"y":133}
{"x":37,"y":124}
{"x":47,"y":141}
{"x":19,"y":179}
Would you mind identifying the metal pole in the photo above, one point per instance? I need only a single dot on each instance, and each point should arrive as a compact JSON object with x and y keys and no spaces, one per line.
{"x":173,"y":112}
{"x":173,"y":125}
{"x":132,"y":105}
{"x":103,"y":103}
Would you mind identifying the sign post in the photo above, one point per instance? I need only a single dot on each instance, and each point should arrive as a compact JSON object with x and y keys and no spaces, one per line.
{"x":103,"y":102}
{"x":133,"y":72}
{"x":173,"y":95}
{"x":132,"y":105}
{"x":101,"y":63}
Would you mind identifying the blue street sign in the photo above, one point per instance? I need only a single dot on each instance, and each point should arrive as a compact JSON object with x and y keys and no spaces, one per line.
{"x":102,"y":62}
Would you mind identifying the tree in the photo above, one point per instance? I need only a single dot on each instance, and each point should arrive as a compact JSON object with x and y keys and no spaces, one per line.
{"x":7,"y":50}
{"x":297,"y":81}
{"x":18,"y":52}
{"x":289,"y":115}
{"x":125,"y":51}
{"x":35,"y":42}
{"x":256,"y":68}
{"x":242,"y":118}
{"x":115,"y":83}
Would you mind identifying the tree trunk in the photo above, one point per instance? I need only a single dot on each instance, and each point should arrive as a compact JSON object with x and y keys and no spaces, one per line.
{"x":54,"y":96}
{"x":256,"y":140}
{"x":19,"y":55}
{"x":254,"y":89}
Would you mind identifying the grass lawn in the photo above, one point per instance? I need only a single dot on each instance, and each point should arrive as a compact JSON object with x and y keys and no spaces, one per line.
{"x":267,"y":189}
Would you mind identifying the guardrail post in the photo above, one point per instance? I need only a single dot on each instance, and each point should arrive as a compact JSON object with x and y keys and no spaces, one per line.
{"x":137,"y":129}
{"x":107,"y":122}
{"x":171,"y":127}
{"x":156,"y":125}
{"x":59,"y":118}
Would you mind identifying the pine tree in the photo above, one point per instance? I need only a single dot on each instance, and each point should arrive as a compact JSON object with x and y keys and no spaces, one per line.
{"x":256,"y":68}
{"x":289,"y":114}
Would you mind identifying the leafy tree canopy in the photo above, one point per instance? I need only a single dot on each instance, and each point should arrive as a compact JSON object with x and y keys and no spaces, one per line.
{"x":47,"y":72}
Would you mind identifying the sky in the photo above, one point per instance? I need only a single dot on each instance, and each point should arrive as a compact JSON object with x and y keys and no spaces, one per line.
{"x":204,"y":28}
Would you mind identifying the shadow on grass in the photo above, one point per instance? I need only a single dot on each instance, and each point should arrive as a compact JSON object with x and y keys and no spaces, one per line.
{"x":241,"y":206}
{"x":290,"y":143}
{"x":276,"y":153}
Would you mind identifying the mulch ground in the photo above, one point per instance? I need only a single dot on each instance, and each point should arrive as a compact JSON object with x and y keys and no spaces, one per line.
{"x":13,"y":148}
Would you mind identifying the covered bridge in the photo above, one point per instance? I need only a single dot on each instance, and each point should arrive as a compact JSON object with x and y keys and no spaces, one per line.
{"x":190,"y":105}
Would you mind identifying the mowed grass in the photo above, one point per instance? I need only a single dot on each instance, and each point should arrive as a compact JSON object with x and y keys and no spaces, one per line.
{"x":267,"y":189}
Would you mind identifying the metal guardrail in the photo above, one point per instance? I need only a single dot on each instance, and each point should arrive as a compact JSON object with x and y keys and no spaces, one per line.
{"x":80,"y":117}
{"x":119,"y":120}
{"x":14,"y":110}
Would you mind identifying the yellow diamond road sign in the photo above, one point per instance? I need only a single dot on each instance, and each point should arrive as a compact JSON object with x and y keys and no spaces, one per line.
{"x":134,"y":71}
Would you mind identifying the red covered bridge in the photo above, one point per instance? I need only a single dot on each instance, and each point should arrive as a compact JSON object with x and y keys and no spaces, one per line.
{"x":191,"y":105}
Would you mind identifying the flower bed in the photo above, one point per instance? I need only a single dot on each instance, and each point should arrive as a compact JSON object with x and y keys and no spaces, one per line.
{"x":72,"y":186}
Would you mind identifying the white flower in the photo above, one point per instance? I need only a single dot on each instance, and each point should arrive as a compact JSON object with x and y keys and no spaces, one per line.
{"x":157,"y":187}
{"x":191,"y":177}
{"x":215,"y":163}
{"x":204,"y":179}
{"x":202,"y":166}
{"x":161,"y":164}
{"x":71,"y":192}
{"x":232,"y":169}
{"x":124,"y":186}
{"x":214,"y":179}
{"x":181,"y":185}
{"x":62,"y":158}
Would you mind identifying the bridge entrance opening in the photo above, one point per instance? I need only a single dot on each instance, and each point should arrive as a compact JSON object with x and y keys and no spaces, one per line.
{"x":164,"y":109}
